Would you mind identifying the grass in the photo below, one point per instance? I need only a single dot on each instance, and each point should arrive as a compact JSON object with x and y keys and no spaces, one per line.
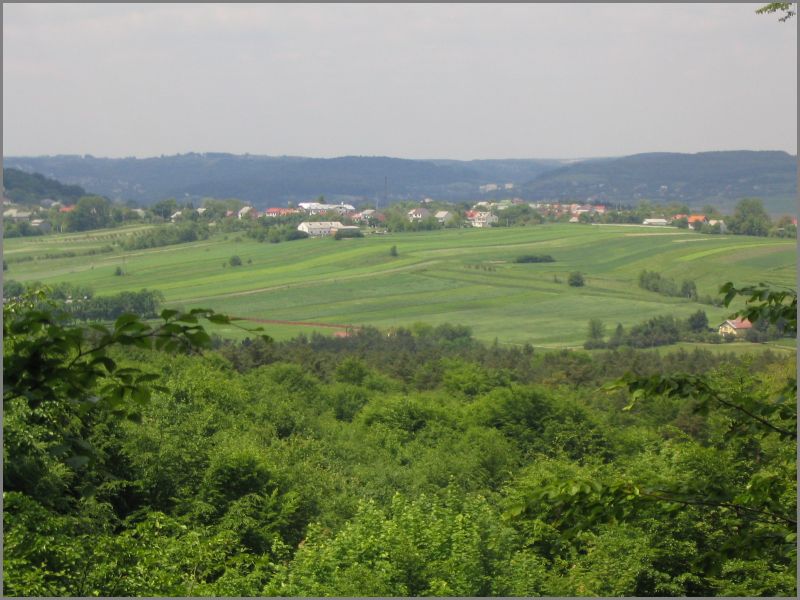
{"x":457,"y":276}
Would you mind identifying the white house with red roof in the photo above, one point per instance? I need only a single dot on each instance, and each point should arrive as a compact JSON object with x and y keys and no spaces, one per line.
{"x":736,"y":327}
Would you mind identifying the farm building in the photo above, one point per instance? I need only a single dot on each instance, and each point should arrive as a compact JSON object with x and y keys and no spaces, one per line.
{"x":481,"y":219}
{"x":319,"y":228}
{"x":735,"y":327}
{"x":444,"y":216}
{"x":315,"y":208}
{"x":722,"y":227}
{"x":280,"y":212}
{"x":655,"y":222}
{"x":248,"y":211}
{"x":418,"y":214}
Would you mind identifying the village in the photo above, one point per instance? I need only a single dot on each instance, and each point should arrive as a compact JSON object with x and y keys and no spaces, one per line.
{"x":319,"y":218}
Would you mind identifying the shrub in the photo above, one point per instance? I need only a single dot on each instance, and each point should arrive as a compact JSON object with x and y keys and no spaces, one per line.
{"x":235,"y":261}
{"x":534,"y":258}
{"x":576,"y":279}
{"x":348,"y":233}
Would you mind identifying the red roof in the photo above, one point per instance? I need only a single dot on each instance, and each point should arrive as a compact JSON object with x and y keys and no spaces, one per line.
{"x":738,"y":323}
{"x":65,"y":209}
{"x":697,"y":218}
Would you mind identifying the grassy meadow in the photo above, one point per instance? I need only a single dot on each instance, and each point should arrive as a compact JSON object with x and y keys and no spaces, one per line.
{"x":465,"y":276}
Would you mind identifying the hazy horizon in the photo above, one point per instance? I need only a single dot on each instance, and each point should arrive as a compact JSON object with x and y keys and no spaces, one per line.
{"x":415,"y":81}
{"x":421,"y":158}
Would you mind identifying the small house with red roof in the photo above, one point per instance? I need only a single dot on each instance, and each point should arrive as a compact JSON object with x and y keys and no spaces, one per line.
{"x":735,"y":327}
{"x":696,"y":221}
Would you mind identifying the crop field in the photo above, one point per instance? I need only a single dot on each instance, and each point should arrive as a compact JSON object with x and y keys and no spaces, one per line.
{"x":465,"y":276}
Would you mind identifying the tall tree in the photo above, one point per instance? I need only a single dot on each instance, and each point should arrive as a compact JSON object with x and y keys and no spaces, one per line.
{"x":750,"y":218}
{"x":91,"y":212}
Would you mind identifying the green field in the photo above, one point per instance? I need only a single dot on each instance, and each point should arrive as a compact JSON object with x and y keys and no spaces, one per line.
{"x":462,"y":276}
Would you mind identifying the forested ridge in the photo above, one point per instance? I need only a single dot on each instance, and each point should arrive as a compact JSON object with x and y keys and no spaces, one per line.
{"x":719,"y":178}
{"x":416,"y":461}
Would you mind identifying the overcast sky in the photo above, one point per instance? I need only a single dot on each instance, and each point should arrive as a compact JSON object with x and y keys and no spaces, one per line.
{"x":406,"y":80}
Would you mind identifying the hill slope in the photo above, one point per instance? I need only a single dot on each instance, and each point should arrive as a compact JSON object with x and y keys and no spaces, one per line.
{"x":719,"y":178}
{"x":30,"y":188}
{"x":265,"y":180}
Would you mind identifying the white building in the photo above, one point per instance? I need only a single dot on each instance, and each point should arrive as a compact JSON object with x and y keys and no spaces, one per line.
{"x":316,"y":208}
{"x":722,"y":227}
{"x":483,"y":219}
{"x":319,"y":228}
{"x":660,"y":222}
{"x":247,"y":211}
{"x":417,"y":214}
{"x":444,"y":216}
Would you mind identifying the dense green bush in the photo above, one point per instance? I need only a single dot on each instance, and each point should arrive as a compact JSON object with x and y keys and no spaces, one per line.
{"x":575,"y":279}
{"x":534,"y":258}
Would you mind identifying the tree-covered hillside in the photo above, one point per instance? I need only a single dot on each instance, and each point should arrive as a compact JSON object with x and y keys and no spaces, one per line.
{"x":717,"y":178}
{"x":269,"y":181}
{"x":31,"y":188}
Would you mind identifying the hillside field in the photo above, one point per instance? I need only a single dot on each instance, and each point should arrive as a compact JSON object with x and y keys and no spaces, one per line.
{"x":465,"y":276}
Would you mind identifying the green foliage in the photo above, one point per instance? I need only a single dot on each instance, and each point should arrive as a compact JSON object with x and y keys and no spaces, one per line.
{"x":91,"y":212}
{"x":750,"y":218}
{"x":420,"y":547}
{"x":167,"y":235}
{"x":30,"y":188}
{"x":235,"y":261}
{"x":698,"y":321}
{"x":417,"y":463}
{"x":534,"y":258}
{"x":575,"y":279}
{"x":788,"y":11}
{"x":348,"y":233}
{"x":765,"y":302}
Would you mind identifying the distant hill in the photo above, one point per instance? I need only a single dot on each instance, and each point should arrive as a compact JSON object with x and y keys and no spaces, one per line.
{"x":31,"y":188}
{"x":718,"y":178}
{"x":265,"y":180}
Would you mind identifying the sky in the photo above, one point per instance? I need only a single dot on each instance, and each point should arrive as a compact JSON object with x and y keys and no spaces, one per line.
{"x":461,"y":81}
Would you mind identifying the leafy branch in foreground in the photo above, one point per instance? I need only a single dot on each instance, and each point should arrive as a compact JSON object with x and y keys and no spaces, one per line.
{"x":786,"y":8}
{"x":764,"y":302}
{"x":64,"y":371}
{"x":752,"y":414}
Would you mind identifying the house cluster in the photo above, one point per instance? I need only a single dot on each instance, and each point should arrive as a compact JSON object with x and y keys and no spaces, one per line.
{"x":493,"y":187}
{"x":478,"y":218}
{"x":697,"y":221}
{"x":420,"y":214}
{"x":34,"y":216}
{"x":250,"y":212}
{"x":574,"y":210}
{"x":694,"y":221}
